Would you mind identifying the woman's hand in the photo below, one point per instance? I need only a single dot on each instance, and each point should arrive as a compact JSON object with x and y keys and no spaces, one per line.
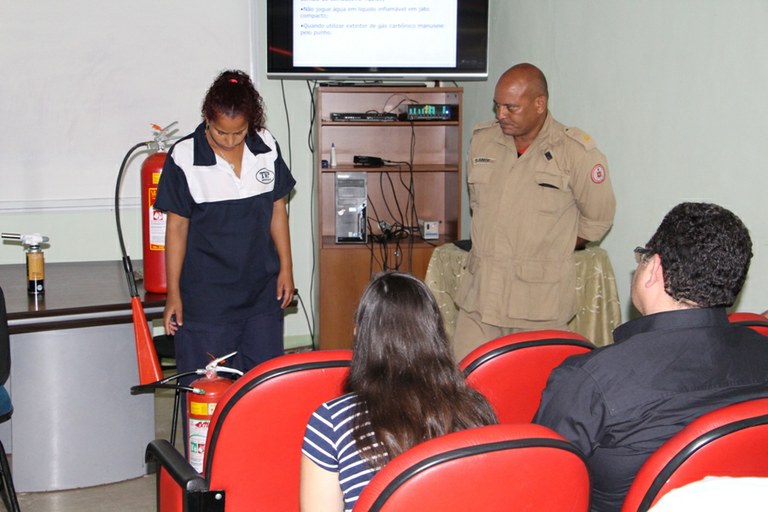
{"x":173,"y":316}
{"x":285,"y":288}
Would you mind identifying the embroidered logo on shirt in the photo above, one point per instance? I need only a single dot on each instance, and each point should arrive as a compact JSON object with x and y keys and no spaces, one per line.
{"x":483,"y":160}
{"x":265,"y":176}
{"x":598,"y":174}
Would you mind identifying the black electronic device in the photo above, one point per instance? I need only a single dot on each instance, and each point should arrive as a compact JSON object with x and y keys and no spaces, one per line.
{"x":369,"y":161}
{"x":432,"y":112}
{"x":363,"y":116}
{"x":382,"y":40}
{"x":369,"y":83}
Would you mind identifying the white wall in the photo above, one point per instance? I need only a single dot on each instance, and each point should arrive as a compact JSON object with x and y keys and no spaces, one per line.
{"x":673,"y":91}
{"x":83,"y":81}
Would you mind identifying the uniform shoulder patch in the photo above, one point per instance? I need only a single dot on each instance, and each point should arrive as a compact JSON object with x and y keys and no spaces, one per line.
{"x":598,"y":174}
{"x":581,"y":137}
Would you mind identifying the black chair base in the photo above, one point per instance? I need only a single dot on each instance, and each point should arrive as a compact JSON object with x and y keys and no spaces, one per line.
{"x":7,"y":490}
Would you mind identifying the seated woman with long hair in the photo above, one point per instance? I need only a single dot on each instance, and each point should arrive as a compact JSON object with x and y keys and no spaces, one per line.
{"x":403,"y":388}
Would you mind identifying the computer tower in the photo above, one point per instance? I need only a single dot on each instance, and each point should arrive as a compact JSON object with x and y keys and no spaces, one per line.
{"x":351,"y":204}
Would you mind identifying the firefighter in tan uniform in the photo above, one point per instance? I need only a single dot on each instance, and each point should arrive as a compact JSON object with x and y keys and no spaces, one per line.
{"x":538,"y":191}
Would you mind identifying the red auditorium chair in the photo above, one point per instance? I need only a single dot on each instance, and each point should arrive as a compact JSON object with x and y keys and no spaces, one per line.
{"x":512,"y":371}
{"x":731,"y":441}
{"x":254,"y":440}
{"x":523,"y":467}
{"x":752,"y":320}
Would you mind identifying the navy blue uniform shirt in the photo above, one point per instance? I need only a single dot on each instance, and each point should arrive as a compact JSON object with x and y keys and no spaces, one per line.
{"x":231,"y":264}
{"x":619,"y":403}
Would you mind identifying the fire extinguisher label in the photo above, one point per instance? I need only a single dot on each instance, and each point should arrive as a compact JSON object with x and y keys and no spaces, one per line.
{"x":152,"y":194}
{"x":198,"y":408}
{"x":156,"y":223}
{"x":198,"y":431}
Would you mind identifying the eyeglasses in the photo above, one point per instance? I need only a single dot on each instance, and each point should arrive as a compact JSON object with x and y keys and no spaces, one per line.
{"x":642,"y":254}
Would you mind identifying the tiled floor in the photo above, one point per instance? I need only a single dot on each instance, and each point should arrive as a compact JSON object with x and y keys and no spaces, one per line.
{"x":137,"y":495}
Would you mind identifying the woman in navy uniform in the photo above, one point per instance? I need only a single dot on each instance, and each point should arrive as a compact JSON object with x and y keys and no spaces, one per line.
{"x":228,"y":252}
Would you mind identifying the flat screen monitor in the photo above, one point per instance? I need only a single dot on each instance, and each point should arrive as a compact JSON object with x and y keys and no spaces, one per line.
{"x":376,"y":40}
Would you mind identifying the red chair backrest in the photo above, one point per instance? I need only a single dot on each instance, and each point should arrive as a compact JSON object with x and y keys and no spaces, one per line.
{"x":730,"y":441}
{"x":498,"y":467}
{"x":752,"y":320}
{"x":512,"y":371}
{"x":253,"y":450}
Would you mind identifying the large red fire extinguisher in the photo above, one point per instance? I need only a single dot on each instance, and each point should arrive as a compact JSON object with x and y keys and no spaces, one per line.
{"x":153,"y":225}
{"x":152,"y":221}
{"x":201,"y":404}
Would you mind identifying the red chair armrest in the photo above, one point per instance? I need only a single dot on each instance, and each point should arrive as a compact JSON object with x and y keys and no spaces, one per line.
{"x":176,"y":465}
{"x":180,"y":487}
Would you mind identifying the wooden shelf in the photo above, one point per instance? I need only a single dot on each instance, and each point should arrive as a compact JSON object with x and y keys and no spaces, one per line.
{"x":329,"y":242}
{"x":428,"y":187}
{"x":385,"y":124}
{"x":342,"y":167}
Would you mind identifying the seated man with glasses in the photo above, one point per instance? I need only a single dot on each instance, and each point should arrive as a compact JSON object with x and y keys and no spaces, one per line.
{"x":681,"y":359}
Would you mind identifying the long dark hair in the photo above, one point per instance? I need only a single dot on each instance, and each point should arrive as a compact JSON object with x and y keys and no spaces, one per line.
{"x":403,"y":372}
{"x":233,"y":94}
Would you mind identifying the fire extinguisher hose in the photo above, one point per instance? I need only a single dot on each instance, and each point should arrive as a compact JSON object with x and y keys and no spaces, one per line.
{"x":148,"y":362}
{"x":120,"y":174}
{"x":168,"y":383}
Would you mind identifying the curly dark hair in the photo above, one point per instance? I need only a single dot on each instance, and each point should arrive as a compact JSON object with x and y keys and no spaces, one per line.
{"x":705,"y":252}
{"x":233,"y":94}
{"x":409,"y":386}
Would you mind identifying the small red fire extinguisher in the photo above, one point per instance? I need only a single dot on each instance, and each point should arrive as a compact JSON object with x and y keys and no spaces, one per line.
{"x":153,"y":221}
{"x":201,"y":404}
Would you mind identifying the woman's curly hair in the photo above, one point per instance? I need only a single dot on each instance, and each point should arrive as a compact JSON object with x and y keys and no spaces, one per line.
{"x":233,"y":94}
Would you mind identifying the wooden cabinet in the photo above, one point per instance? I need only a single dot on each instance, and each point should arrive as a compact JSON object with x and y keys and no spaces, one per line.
{"x":420,"y":180}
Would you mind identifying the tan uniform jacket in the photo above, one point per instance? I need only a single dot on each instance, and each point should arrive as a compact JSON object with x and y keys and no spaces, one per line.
{"x":526,"y":215}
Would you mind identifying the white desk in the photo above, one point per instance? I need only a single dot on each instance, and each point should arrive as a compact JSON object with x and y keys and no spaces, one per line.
{"x":73,"y":362}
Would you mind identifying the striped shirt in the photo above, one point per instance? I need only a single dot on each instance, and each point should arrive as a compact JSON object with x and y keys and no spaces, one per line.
{"x":329,"y":443}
